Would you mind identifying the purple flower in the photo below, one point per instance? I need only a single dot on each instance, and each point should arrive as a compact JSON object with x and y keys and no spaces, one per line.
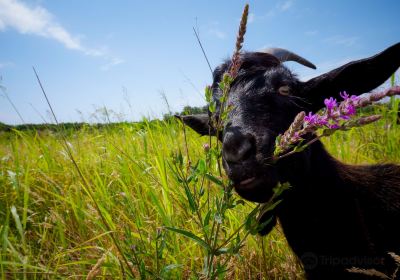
{"x":311,"y":119}
{"x":322,"y":120}
{"x":347,"y":108}
{"x":316,"y":120}
{"x":330,"y":103}
{"x":335,"y":116}
{"x":344,"y":95}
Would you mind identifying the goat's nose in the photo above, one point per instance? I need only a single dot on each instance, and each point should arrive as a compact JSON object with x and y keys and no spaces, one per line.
{"x":237,"y":146}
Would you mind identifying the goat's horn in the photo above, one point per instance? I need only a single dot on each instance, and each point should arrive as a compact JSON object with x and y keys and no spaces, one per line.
{"x":285,"y":55}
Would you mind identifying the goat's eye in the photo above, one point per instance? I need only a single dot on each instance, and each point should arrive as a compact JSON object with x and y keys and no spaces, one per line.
{"x":284,"y":90}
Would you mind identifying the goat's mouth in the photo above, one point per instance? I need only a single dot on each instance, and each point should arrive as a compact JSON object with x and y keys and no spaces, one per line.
{"x":247,"y":181}
{"x":256,"y":189}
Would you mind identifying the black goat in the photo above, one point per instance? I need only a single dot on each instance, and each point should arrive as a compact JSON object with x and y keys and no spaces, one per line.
{"x":336,"y":215}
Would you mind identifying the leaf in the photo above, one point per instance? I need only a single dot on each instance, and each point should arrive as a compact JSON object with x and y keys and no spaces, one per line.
{"x":222,"y":251}
{"x":392,"y":80}
{"x":191,"y":236}
{"x":206,"y":221}
{"x":240,"y":201}
{"x":201,"y":166}
{"x":4,"y":233}
{"x":298,"y":149}
{"x":212,"y":106}
{"x":251,"y":222}
{"x":208,"y":93}
{"x":227,"y":79}
{"x":264,"y":224}
{"x":201,"y":191}
{"x":213,"y":179}
{"x":269,"y":207}
{"x":169,"y":267}
{"x":221,"y":85}
{"x":190,"y":198}
{"x":328,"y":132}
{"x":279,"y":189}
{"x":18,"y":223}
{"x":221,"y":270}
{"x":142,"y":270}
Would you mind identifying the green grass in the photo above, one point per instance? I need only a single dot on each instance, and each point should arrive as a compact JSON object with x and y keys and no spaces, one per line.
{"x":50,"y":226}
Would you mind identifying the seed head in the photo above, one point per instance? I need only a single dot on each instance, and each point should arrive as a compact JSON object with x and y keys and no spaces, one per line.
{"x":234,"y":69}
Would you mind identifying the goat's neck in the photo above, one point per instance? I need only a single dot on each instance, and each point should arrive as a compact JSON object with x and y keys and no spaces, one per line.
{"x":321,"y":204}
{"x":313,"y":170}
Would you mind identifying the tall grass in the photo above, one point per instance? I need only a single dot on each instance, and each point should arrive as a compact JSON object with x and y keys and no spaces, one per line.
{"x":55,"y":228}
{"x":49,"y":227}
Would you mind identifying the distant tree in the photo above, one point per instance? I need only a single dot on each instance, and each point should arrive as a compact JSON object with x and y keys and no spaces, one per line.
{"x":4,"y":127}
{"x":189,"y":110}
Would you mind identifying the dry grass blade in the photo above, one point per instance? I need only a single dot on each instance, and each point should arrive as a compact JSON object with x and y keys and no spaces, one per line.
{"x":202,"y":49}
{"x":369,"y":272}
{"x":96,"y":268}
{"x":395,"y":257}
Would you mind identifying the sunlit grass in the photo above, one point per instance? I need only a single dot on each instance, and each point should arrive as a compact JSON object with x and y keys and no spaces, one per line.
{"x":50,"y":228}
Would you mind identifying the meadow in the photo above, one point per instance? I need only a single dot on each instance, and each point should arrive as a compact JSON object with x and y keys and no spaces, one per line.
{"x":103,"y":203}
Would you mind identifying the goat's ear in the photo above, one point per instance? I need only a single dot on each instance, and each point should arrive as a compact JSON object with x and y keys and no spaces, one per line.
{"x":355,"y":78}
{"x":199,"y":123}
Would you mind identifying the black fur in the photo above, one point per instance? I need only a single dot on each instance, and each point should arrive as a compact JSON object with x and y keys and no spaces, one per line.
{"x":335,"y":216}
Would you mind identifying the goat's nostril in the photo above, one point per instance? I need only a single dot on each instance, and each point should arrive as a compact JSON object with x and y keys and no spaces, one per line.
{"x":237,"y":147}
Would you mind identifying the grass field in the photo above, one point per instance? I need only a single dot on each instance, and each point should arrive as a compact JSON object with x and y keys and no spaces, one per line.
{"x":50,"y":222}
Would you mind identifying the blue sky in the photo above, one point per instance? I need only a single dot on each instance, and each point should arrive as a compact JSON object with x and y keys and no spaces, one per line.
{"x":124,"y":54}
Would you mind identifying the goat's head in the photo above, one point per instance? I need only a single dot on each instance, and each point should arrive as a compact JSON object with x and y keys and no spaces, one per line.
{"x":265,"y":97}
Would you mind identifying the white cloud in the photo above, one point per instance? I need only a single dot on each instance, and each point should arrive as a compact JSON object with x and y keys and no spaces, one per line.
{"x":37,"y":21}
{"x":17,"y":15}
{"x":270,"y":14}
{"x":285,"y":5}
{"x":342,"y":40}
{"x":113,"y":62}
{"x":6,"y":64}
{"x":251,"y":18}
{"x":218,"y":33}
{"x":311,"y":32}
{"x":279,"y":8}
{"x":213,"y":28}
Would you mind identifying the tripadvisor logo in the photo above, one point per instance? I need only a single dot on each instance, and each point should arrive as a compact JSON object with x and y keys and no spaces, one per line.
{"x":311,"y":261}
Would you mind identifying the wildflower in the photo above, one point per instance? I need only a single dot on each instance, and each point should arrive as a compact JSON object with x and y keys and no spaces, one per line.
{"x":333,"y":126}
{"x":315,"y":120}
{"x":334,"y":117}
{"x":345,"y":96}
{"x":311,"y":119}
{"x":347,"y":108}
{"x":330,"y":103}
